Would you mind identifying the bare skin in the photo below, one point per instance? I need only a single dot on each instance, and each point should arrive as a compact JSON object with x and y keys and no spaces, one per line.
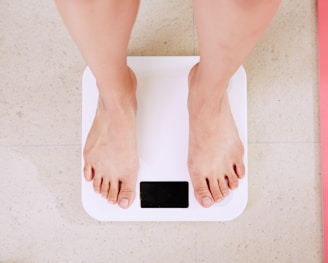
{"x":215,"y":158}
{"x":101,"y":29}
{"x":110,"y":153}
{"x":227,"y":31}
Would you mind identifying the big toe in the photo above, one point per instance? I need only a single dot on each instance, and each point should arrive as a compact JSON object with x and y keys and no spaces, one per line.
{"x":88,"y":174}
{"x":202,"y":192}
{"x":240,"y":169}
{"x":127,"y":194}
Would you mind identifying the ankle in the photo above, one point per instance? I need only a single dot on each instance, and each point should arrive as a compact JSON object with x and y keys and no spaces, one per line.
{"x":112,"y":77}
{"x":207,"y":82}
{"x":120,"y":105}
{"x":118,"y":91}
{"x":207,"y":95}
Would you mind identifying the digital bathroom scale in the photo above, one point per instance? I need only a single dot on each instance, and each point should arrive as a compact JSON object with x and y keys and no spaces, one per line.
{"x":164,"y":191}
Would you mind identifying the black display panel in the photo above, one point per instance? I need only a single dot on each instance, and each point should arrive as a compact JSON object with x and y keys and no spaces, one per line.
{"x":164,"y":194}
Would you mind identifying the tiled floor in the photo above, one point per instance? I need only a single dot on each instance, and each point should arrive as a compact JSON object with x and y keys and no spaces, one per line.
{"x":41,"y":217}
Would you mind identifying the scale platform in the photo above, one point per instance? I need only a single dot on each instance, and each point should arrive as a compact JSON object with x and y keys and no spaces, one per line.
{"x":164,"y":191}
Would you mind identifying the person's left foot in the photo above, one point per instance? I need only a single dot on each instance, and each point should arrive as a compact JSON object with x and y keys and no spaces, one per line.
{"x":215,"y":158}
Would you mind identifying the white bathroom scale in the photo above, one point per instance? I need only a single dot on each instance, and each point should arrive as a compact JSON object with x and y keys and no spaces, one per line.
{"x":164,"y":191}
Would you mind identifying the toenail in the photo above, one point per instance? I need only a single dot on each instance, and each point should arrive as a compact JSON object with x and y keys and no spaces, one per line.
{"x":124,"y":203}
{"x":207,"y":202}
{"x":218,"y":200}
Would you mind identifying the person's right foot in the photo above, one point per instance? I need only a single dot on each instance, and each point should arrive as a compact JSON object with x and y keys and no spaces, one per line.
{"x":110,"y":154}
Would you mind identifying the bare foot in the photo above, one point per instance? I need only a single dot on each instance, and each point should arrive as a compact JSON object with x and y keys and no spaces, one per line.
{"x":216,"y":152}
{"x":110,"y":153}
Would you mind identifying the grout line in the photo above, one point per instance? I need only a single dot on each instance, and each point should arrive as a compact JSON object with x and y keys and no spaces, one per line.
{"x":39,"y":145}
{"x":79,"y":145}
{"x":277,"y":142}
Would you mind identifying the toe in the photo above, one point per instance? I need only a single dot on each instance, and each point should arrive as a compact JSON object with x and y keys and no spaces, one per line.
{"x":88,"y":174}
{"x":97,"y":180}
{"x":215,"y":190}
{"x":105,"y":187}
{"x":240,"y":169}
{"x":127,"y":193}
{"x":202,"y":192}
{"x":232,"y":181}
{"x":224,"y":186}
{"x":113,"y":192}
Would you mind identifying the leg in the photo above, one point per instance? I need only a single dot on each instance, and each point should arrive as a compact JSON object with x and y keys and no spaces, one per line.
{"x":101,"y":30}
{"x":227,"y":31}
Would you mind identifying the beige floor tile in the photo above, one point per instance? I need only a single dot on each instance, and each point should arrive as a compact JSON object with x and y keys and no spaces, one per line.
{"x":282,"y":78}
{"x":40,"y":72}
{"x":163,"y":28}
